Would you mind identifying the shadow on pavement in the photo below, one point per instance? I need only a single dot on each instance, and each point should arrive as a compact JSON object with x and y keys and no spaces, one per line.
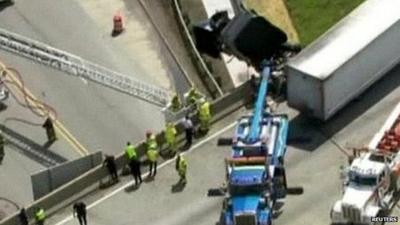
{"x":178,"y":187}
{"x":131,"y":188}
{"x":295,"y":190}
{"x":319,"y":132}
{"x":108,"y":183}
{"x":149,"y":179}
{"x":30,"y":148}
{"x":276,"y":214}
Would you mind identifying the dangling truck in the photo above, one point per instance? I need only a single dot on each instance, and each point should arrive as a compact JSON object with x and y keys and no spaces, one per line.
{"x":372,"y":184}
{"x":255,"y":173}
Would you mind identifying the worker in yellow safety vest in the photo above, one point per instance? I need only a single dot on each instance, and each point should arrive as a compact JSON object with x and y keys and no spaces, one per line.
{"x":170,"y":137}
{"x":152,"y":153}
{"x":204,"y":113}
{"x":176,"y":104}
{"x":133,"y":162}
{"x":193,"y":96}
{"x":130,"y":152}
{"x":151,"y":142}
{"x":181,"y":167}
{"x":40,"y":216}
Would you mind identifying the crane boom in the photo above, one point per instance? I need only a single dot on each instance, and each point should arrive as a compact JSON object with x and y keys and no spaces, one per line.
{"x":259,"y":106}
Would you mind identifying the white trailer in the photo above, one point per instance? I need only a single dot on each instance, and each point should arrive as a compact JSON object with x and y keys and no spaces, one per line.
{"x":372,"y":184}
{"x":346,"y":60}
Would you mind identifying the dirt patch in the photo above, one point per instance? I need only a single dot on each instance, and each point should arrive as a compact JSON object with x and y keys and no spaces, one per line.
{"x":276,"y":12}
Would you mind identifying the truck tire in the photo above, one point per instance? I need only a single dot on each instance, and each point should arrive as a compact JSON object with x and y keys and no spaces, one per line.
{"x":381,"y":213}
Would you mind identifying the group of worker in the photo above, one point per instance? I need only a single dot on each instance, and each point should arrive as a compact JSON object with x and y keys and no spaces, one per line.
{"x":133,"y":161}
{"x":79,"y":211}
{"x":152,"y":154}
{"x":194,"y":97}
{"x":170,"y":136}
{"x":39,"y":214}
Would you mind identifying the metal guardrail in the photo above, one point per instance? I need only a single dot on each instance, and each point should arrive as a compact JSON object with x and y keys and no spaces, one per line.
{"x":75,"y":65}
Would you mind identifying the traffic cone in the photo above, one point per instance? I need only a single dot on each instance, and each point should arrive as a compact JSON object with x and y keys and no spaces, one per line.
{"x":118,"y":24}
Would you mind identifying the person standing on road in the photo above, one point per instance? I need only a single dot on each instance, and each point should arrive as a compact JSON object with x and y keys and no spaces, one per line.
{"x":181,"y":167}
{"x":152,"y":153}
{"x":51,"y":134}
{"x":23,"y":218}
{"x":204,"y":116}
{"x":80,"y":212}
{"x":109,"y":162}
{"x":40,"y":216}
{"x":189,"y":130}
{"x":170,"y":137}
{"x":133,"y":162}
{"x":2,"y":143}
{"x":176,"y":104}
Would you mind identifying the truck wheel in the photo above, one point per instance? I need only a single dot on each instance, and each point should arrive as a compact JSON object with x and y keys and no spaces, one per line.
{"x":381,"y":213}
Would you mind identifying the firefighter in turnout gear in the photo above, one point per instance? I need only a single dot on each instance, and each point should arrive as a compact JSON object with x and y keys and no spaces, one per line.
{"x":204,"y":116}
{"x":170,"y":137}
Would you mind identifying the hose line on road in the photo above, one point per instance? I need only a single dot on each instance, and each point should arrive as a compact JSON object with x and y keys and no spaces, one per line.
{"x":38,"y":107}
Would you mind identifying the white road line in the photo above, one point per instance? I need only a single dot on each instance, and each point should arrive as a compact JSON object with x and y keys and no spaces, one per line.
{"x":107,"y":196}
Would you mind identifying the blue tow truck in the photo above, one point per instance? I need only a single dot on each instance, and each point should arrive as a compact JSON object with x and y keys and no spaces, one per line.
{"x":255,"y":171}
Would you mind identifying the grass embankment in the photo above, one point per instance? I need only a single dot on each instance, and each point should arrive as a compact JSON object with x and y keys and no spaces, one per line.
{"x":312,"y":18}
{"x":275,"y":11}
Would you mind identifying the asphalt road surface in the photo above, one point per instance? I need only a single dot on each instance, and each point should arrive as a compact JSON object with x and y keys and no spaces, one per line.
{"x":99,"y":118}
{"x":313,"y":165}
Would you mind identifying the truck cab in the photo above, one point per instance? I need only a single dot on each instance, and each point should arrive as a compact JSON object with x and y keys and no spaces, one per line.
{"x":247,"y":202}
{"x":366,"y":187}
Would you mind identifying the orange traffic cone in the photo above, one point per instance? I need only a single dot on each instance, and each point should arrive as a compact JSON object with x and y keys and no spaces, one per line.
{"x":118,"y":24}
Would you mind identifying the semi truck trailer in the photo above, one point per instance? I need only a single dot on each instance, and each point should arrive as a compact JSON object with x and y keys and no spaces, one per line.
{"x":346,"y":60}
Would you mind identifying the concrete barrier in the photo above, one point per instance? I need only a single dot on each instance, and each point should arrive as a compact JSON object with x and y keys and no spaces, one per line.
{"x":49,"y":179}
{"x":82,"y":185}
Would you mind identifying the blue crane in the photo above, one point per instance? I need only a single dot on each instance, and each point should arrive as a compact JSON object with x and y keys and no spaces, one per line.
{"x":255,"y":173}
